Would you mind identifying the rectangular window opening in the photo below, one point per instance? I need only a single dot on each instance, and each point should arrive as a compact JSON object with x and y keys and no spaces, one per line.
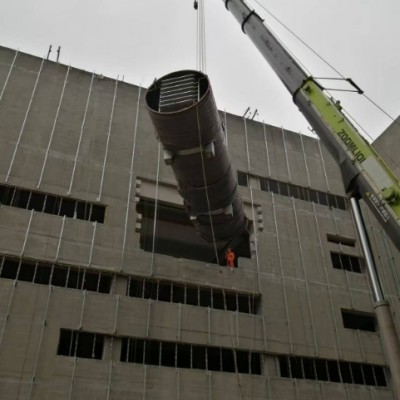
{"x":344,"y":241}
{"x":242,"y":178}
{"x":176,"y":236}
{"x":346,"y":262}
{"x":51,"y":204}
{"x":359,"y":320}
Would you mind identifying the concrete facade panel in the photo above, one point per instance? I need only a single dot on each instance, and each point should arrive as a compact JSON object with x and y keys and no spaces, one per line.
{"x":102,"y":147}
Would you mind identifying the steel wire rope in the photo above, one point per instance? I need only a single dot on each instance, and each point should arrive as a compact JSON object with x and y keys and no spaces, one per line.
{"x":201,"y":58}
{"x":257,"y":275}
{"x":215,"y":249}
{"x":155,"y":210}
{"x":394,"y":120}
{"x":302,"y":41}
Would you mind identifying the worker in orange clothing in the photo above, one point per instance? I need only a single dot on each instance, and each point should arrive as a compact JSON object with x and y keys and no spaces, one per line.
{"x":230,"y":258}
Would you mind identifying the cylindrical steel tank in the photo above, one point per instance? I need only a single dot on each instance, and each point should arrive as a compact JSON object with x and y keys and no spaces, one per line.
{"x":183,"y":110}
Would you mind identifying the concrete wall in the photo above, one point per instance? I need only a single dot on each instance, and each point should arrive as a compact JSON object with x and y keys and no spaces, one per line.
{"x":70,"y":133}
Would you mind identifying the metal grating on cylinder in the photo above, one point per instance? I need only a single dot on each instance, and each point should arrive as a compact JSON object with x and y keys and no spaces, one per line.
{"x":178,"y":92}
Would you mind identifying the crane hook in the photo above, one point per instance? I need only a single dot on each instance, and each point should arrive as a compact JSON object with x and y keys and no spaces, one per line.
{"x":195,"y":5}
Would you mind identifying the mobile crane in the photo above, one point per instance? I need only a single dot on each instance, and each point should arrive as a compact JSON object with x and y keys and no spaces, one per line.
{"x":365,"y":174}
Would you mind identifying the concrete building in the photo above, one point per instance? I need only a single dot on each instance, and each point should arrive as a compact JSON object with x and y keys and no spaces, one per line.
{"x":106,"y":292}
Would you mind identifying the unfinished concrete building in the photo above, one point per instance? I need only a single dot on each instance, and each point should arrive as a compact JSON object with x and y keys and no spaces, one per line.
{"x":107,"y":292}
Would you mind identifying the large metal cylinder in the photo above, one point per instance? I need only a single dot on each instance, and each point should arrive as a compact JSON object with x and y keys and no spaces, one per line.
{"x":183,"y":110}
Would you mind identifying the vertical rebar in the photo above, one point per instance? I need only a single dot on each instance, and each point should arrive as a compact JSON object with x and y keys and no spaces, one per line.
{"x":337,"y":338}
{"x":108,"y":141}
{"x":44,"y":324}
{"x":60,"y":238}
{"x":80,"y":136}
{"x":21,"y":131}
{"x":266,"y":149}
{"x":28,"y":228}
{"x":153,"y":246}
{"x":305,"y":160}
{"x":89,"y":264}
{"x":53,"y":128}
{"x":7,"y":315}
{"x":305,"y":277}
{"x":128,"y":201}
{"x":247,"y":145}
{"x":8,"y":75}
{"x":286,"y":154}
{"x":323,"y":166}
{"x":282,"y":274}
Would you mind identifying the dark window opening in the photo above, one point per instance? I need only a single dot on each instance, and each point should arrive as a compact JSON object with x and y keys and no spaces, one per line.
{"x":152,"y":352}
{"x":380,"y":376}
{"x":132,"y":350}
{"x":218,"y":299}
{"x":175,"y":234}
{"x":331,"y":370}
{"x":243,"y":304}
{"x":199,"y":357}
{"x":80,"y":344}
{"x":313,"y":196}
{"x":205,"y":297}
{"x":59,"y":277}
{"x":26,"y":271}
{"x":45,"y":273}
{"x":181,"y":355}
{"x":359,"y":320}
{"x":321,"y":370}
{"x":284,"y":367}
{"x":231,"y":301}
{"x":298,"y":192}
{"x":255,"y":363}
{"x":344,"y":241}
{"x":283,"y":189}
{"x":228,"y":361}
{"x":357,"y":373}
{"x":345,"y":372}
{"x":51,"y":204}
{"x":213,"y":359}
{"x":10,"y":268}
{"x":296,"y":368}
{"x":242,"y":361}
{"x":150,"y":290}
{"x":242,"y":178}
{"x":75,"y":279}
{"x":346,"y":262}
{"x":192,"y":295}
{"x":168,"y":354}
{"x":164,"y":291}
{"x":178,"y":293}
{"x":273,"y":186}
{"x":264,"y":184}
{"x":309,"y":368}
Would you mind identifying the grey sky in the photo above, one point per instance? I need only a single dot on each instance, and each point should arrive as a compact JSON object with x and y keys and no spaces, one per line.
{"x":144,"y":39}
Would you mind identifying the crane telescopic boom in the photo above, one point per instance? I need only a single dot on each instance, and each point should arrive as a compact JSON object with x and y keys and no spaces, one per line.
{"x":365,"y":174}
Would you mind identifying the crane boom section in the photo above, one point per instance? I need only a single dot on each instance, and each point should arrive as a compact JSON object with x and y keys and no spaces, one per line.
{"x":365,"y":174}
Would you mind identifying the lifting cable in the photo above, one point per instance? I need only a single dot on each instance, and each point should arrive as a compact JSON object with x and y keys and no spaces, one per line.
{"x":323,"y":59}
{"x":201,"y":36}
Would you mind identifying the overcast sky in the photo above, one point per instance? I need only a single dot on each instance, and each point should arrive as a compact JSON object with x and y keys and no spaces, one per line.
{"x":144,"y":39}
